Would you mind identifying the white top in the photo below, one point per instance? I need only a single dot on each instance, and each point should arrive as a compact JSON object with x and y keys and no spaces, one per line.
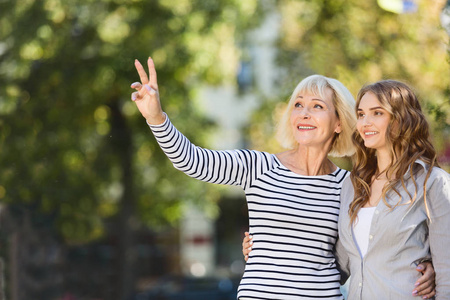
{"x":293,"y":218}
{"x":362,"y":228}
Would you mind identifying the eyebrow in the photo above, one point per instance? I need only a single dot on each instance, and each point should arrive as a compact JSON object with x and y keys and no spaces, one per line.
{"x":317,"y":99}
{"x":372,"y":108}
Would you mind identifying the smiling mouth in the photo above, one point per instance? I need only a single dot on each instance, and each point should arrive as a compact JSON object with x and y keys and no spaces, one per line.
{"x":306,"y":127}
{"x":370,"y":133}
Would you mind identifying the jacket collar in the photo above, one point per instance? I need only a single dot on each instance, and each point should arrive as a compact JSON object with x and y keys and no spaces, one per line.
{"x":421,"y":164}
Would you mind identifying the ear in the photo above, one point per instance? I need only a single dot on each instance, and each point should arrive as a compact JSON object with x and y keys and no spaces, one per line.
{"x":338,"y":128}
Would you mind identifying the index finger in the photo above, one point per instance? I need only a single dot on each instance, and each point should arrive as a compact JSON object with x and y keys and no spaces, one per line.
{"x":141,"y":72}
{"x":152,"y":73}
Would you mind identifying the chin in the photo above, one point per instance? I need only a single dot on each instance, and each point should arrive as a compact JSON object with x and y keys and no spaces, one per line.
{"x":368,"y":145}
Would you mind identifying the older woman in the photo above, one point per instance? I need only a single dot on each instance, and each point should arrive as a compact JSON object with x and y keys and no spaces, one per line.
{"x":293,"y":196}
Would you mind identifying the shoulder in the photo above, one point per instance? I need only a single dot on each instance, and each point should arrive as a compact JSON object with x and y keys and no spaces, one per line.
{"x":255,"y":154}
{"x":439,"y":179}
{"x":435,"y":175}
{"x":345,"y":174}
{"x":422,"y":169}
{"x":440,"y":173}
{"x":257,"y":157}
{"x":437,"y":184}
{"x":347,"y":191}
{"x":347,"y":184}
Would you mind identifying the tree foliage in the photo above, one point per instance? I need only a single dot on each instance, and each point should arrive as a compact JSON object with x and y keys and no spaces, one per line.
{"x":68,"y":130}
{"x":357,"y":42}
{"x":77,"y":159}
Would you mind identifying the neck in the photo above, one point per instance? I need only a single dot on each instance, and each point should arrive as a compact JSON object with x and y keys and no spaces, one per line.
{"x":307,"y":161}
{"x":384,"y":159}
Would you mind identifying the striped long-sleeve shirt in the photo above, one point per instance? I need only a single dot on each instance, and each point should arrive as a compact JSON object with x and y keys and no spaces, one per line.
{"x":293,"y":218}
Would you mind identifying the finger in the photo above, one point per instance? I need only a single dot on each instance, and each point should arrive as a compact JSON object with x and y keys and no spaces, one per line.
{"x":426,"y":295}
{"x":135,"y":96}
{"x":141,"y":72}
{"x":136,"y":85}
{"x":152,"y":73}
{"x":426,"y":291}
{"x":430,"y":295}
{"x":247,"y":242}
{"x":149,"y":90}
{"x":427,"y":273}
{"x":421,"y":267}
{"x":425,"y":267}
{"x":423,"y":289}
{"x":246,"y":257}
{"x":423,"y":282}
{"x":245,"y":245}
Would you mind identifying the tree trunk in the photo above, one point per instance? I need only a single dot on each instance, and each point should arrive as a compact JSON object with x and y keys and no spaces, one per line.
{"x":126,"y":221}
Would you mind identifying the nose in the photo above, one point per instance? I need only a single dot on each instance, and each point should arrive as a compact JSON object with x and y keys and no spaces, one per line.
{"x":304,"y":113}
{"x":366,"y":121}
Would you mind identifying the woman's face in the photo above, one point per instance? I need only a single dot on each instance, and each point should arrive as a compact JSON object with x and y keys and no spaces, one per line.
{"x":373,"y":121}
{"x":313,"y":119}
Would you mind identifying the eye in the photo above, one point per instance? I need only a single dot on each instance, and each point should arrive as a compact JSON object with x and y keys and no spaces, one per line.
{"x":318,"y":106}
{"x":378,"y":113}
{"x":361,"y":115}
{"x":298,"y":104}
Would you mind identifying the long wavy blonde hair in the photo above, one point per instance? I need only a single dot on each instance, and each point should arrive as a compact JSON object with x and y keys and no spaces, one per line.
{"x":408,"y":138}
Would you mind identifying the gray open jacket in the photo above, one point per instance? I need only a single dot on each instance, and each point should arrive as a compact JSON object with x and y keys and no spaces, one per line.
{"x":399,"y":238}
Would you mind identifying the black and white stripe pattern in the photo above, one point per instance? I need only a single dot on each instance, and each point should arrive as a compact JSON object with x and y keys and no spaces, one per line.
{"x":293,"y":218}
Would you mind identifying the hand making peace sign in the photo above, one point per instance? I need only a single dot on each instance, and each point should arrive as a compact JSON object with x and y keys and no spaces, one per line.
{"x":146,"y":96}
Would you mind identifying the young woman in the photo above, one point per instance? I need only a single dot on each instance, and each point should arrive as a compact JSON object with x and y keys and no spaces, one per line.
{"x":395,"y":211}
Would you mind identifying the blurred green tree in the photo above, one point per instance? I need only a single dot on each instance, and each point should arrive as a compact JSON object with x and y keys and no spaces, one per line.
{"x":358,"y":42}
{"x":74,"y":151}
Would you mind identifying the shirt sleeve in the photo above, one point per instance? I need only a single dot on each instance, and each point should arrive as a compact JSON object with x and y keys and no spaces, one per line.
{"x":438,"y":199}
{"x":228,"y":167}
{"x":342,"y":261}
{"x":341,"y":254}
